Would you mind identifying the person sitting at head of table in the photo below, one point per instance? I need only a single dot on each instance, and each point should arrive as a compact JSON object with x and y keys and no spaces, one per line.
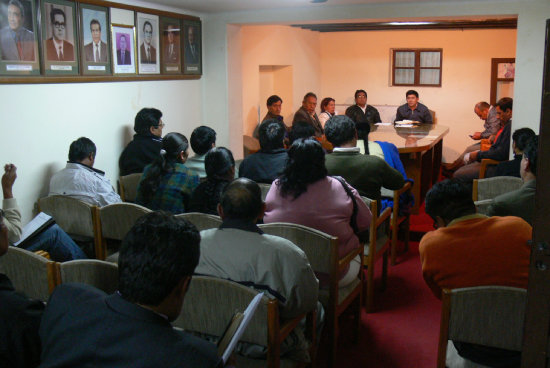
{"x":203,"y":139}
{"x":361,"y":112}
{"x":413,"y":110}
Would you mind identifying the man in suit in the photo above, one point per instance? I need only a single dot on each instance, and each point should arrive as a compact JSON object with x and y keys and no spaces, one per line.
{"x":171,"y":48}
{"x":122,"y":54}
{"x":521,"y":202}
{"x":83,"y":326}
{"x":16,"y":42}
{"x":57,"y":48}
{"x":307,"y":113}
{"x":192,"y":52}
{"x":148,"y":53}
{"x":96,"y":51}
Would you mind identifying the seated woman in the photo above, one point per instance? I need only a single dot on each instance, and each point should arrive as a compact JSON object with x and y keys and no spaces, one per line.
{"x":220,"y":171}
{"x":328,"y":106}
{"x":167,"y":184}
{"x":305,"y":195}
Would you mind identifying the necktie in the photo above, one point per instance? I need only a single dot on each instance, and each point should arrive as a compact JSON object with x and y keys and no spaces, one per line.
{"x":96,"y":56}
{"x":122,"y":56}
{"x":148,"y":55}
{"x":19,"y":48}
{"x":171,"y":51}
{"x":60,"y":53}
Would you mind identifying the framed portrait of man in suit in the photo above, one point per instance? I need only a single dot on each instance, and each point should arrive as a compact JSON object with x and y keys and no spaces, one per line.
{"x":192,"y":54}
{"x":18,"y":41}
{"x":94,"y":41}
{"x":59,"y":37}
{"x":148,"y":43}
{"x":124,"y":49}
{"x":170,"y":45}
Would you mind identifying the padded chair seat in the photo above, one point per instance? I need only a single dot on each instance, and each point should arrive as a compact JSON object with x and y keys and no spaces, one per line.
{"x":343,"y":293}
{"x":454,"y":360}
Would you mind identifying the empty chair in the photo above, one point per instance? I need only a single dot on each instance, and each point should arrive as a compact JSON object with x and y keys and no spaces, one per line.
{"x":202,"y":221}
{"x":30,"y":274}
{"x":128,"y":187}
{"x":211,"y":303}
{"x":322,"y":252}
{"x":485,"y":190}
{"x":100,"y":274}
{"x":491,"y":316}
{"x":115,"y":221}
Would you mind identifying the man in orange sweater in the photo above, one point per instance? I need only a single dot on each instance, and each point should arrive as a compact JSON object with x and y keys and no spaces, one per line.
{"x":470,"y":249}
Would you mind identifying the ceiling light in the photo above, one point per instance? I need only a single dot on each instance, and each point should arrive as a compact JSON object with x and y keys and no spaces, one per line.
{"x":409,"y":23}
{"x":318,"y":1}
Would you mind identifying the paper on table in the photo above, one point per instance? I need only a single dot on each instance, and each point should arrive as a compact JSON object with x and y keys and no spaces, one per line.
{"x":385,"y":124}
{"x":34,"y":225}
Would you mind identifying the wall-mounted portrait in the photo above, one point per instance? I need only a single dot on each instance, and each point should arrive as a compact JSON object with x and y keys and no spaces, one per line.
{"x":95,"y":54}
{"x":123,"y":49}
{"x":192,"y":59}
{"x":18,"y":43}
{"x":148,"y":41}
{"x":506,"y":70}
{"x":59,"y":45}
{"x":171,"y":45}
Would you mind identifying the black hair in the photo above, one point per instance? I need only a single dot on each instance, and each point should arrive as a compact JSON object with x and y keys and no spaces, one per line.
{"x":56,"y":11}
{"x":81,"y":149}
{"x":340,"y":129}
{"x":531,"y":153}
{"x":18,"y":4}
{"x":411,"y":92}
{"x":301,"y":129}
{"x":95,"y":21}
{"x":145,"y":119}
{"x":172,"y":145}
{"x":272,"y":135}
{"x":272,"y":99}
{"x":202,"y":139}
{"x":147,"y":23}
{"x":360,"y":91}
{"x":482,"y":106}
{"x":505,"y":103}
{"x":309,"y":94}
{"x":450,"y":199}
{"x":242,"y":199}
{"x":325,"y":102}
{"x":305,"y":165}
{"x":156,"y":254}
{"x":522,"y":136}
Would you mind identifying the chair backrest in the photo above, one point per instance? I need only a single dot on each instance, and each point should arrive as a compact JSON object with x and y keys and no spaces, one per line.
{"x":211,"y":302}
{"x":491,"y":187}
{"x":30,"y":274}
{"x":118,"y":218}
{"x":100,"y":274}
{"x":202,"y":221}
{"x":265,"y":188}
{"x":319,"y":247}
{"x":486,"y":315}
{"x":128,"y":187}
{"x":250,"y":145}
{"x":74,"y":216}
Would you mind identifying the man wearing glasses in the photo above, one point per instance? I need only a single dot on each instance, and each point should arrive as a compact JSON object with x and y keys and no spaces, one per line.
{"x":148,"y":54}
{"x":57,"y":48}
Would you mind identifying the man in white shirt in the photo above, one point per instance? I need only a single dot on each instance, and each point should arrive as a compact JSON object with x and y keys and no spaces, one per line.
{"x":80,"y":180}
{"x":96,"y":51}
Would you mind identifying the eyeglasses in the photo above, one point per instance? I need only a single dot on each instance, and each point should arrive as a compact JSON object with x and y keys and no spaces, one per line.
{"x":59,"y":25}
{"x":148,"y":32}
{"x":161,"y":125}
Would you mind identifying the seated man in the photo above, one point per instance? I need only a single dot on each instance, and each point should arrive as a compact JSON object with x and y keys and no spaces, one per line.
{"x":361,"y":112}
{"x":19,"y":319}
{"x":520,"y":138}
{"x":241,"y":252}
{"x":267,"y":164}
{"x":83,"y":326}
{"x":307,"y":113}
{"x":274,"y":104}
{"x":470,"y":249}
{"x":365,"y":173}
{"x":80,"y":180}
{"x":413,"y":110}
{"x":202,"y":139}
{"x":301,"y":129}
{"x":52,"y":240}
{"x":521,"y":202}
{"x":146,"y":145}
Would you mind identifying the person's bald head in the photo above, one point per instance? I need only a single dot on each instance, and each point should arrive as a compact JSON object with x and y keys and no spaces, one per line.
{"x":242,"y":200}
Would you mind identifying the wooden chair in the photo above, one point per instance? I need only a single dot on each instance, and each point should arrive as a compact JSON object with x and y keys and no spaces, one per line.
{"x":397,"y":221}
{"x":378,"y":246}
{"x":485,"y":190}
{"x":77,"y":218}
{"x":100,"y":274}
{"x":115,"y":220}
{"x":265,"y":188}
{"x":485,"y":315}
{"x":209,"y":306}
{"x":484,"y":164}
{"x":202,"y":221}
{"x":33,"y":275}
{"x":128,"y":187}
{"x":322,"y":252}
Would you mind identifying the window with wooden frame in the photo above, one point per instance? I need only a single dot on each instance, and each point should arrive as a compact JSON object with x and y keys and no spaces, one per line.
{"x":416,"y":67}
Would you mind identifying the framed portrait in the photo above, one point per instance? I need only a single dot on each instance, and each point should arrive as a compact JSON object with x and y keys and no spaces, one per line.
{"x":59,"y":37}
{"x":148,"y":43}
{"x":192,"y":54}
{"x":18,"y":40}
{"x":170,"y":45}
{"x":506,"y":70}
{"x":94,"y":41}
{"x":124,"y":49}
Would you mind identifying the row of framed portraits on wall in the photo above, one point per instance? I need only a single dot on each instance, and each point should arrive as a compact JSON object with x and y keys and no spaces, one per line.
{"x":60,"y":37}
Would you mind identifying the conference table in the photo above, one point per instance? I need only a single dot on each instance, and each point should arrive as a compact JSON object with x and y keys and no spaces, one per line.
{"x":420,"y":149}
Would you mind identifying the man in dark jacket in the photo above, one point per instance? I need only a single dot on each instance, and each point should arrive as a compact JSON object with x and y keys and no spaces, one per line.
{"x":361,"y":112}
{"x":147,"y":142}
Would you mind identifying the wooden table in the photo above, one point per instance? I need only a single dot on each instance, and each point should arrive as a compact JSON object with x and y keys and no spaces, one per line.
{"x":420,"y":150}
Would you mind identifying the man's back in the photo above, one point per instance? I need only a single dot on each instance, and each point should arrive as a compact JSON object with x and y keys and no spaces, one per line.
{"x":83,"y":326}
{"x":264,"y":166}
{"x":140,"y":152}
{"x":520,"y":203}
